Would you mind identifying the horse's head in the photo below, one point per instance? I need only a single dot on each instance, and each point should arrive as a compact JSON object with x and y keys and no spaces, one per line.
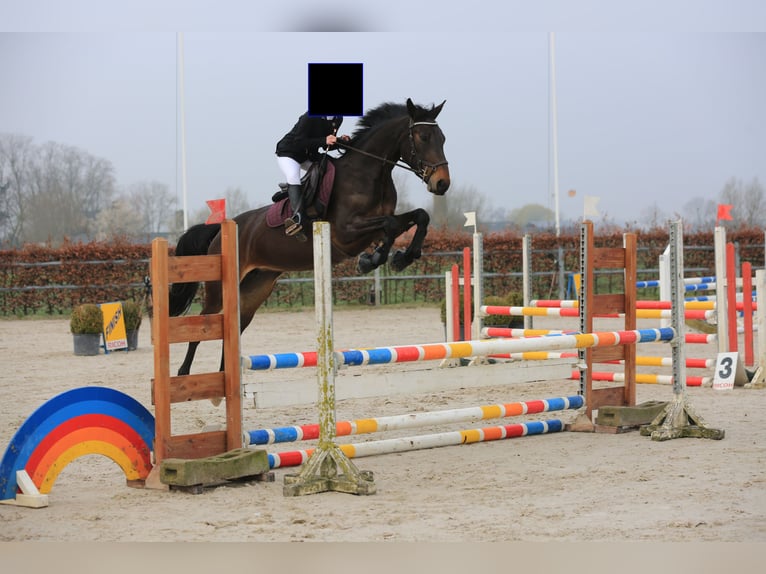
{"x":424,"y":149}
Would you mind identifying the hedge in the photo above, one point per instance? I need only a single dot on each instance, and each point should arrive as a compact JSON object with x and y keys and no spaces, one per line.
{"x":51,"y":280}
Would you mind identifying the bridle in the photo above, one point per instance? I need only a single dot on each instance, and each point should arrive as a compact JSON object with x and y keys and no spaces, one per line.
{"x":424,"y":170}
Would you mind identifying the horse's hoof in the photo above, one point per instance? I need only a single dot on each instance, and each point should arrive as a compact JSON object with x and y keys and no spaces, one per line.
{"x":400,"y":261}
{"x":364,"y":263}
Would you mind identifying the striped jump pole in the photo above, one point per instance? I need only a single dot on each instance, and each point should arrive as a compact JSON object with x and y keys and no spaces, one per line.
{"x":408,"y":444}
{"x":489,"y":332}
{"x":416,"y":420}
{"x":439,"y":351}
{"x":702,"y":304}
{"x":699,"y":314}
{"x":641,"y":361}
{"x":687,"y":281}
{"x":689,"y":338}
{"x":645,"y":378}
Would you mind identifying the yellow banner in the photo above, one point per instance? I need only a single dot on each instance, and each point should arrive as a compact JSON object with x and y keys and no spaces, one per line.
{"x":114,"y":326}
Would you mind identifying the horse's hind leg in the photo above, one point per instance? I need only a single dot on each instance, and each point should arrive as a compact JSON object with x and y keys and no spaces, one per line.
{"x":212,"y":305}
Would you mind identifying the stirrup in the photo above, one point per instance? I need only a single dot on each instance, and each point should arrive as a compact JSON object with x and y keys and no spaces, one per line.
{"x":293,"y":225}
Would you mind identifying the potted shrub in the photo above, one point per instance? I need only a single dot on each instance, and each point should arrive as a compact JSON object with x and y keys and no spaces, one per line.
{"x":462,"y":317}
{"x":86,"y":325}
{"x":131,"y":311}
{"x":512,"y":299}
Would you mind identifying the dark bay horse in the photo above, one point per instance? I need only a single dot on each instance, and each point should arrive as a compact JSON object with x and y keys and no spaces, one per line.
{"x":360,"y":211}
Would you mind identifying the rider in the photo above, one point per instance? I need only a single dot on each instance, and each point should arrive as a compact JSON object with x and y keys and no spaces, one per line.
{"x":297,"y":150}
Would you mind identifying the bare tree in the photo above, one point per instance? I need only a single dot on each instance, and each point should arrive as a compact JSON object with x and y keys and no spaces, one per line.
{"x":699,"y":214}
{"x":15,"y":156}
{"x":120,"y":220}
{"x":753,"y":204}
{"x":236,"y":203}
{"x":747,"y":201}
{"x":155,"y":206}
{"x":68,"y":189}
{"x":653,"y":217}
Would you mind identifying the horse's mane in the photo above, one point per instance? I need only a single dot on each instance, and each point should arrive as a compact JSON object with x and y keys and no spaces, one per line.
{"x":375,"y":117}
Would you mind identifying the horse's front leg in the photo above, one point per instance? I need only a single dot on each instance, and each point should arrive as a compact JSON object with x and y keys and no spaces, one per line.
{"x":393,"y":226}
{"x":421,"y":219}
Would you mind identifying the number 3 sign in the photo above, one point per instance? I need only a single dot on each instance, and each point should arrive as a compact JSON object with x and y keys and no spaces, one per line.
{"x":729,"y":372}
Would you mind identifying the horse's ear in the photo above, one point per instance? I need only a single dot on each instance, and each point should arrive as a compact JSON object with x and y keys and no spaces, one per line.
{"x":411,"y":109}
{"x":437,"y":109}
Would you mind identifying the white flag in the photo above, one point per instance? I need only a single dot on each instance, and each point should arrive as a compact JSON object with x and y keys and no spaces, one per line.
{"x":470,"y":218}
{"x":590,"y":209}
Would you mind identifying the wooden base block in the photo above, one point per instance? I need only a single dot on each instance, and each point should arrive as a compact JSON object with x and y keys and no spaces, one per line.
{"x":235,"y":464}
{"x":606,"y":429}
{"x":629,"y":416}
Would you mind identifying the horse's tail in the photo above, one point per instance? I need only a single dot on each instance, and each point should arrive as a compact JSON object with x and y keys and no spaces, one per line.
{"x":195,"y":241}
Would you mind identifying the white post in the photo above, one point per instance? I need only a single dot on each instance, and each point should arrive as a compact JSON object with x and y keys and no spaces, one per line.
{"x":721,"y":308}
{"x":328,"y":468}
{"x":478,"y":286}
{"x":526,"y":264}
{"x":665,"y":292}
{"x":449,"y":319}
{"x":376,"y":286}
{"x":677,"y":308}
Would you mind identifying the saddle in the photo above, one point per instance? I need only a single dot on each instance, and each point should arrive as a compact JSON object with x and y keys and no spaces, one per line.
{"x":317,"y":188}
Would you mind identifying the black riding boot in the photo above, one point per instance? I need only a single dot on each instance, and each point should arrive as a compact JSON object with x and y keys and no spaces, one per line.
{"x":294,"y":224}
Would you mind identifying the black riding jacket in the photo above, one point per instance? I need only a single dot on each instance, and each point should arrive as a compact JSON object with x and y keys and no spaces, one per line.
{"x":307,"y":136}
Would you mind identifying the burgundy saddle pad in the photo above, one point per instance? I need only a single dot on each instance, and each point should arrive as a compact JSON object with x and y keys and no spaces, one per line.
{"x":281,"y":210}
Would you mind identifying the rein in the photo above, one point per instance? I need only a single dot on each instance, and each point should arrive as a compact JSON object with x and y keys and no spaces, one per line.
{"x":423,"y":168}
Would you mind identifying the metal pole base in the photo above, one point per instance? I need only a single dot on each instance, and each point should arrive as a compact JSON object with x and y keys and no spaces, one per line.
{"x":329,"y":470}
{"x":679,"y":420}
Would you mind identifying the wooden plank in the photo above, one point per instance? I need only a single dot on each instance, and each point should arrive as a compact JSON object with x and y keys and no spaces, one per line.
{"x":231,"y":341}
{"x":608,"y":258}
{"x":197,"y":445}
{"x":195,"y":328}
{"x":168,"y":330}
{"x":197,"y":387}
{"x":193,"y":268}
{"x":603,"y":354}
{"x":612,"y":396}
{"x":608,"y":303}
{"x":160,"y":339}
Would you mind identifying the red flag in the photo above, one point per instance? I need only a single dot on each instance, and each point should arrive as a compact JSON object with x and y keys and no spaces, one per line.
{"x":217,"y":210}
{"x":724,"y":212}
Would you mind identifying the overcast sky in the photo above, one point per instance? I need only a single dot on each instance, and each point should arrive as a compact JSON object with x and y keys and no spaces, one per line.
{"x":659,"y":116}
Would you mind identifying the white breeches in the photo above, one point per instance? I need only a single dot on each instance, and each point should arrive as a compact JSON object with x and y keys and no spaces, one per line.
{"x":292,"y":169}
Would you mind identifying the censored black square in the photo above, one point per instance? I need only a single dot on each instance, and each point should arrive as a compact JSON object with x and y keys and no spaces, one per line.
{"x":335,"y":90}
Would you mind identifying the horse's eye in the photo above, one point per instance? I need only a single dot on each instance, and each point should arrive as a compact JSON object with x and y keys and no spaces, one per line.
{"x":424,"y":136}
